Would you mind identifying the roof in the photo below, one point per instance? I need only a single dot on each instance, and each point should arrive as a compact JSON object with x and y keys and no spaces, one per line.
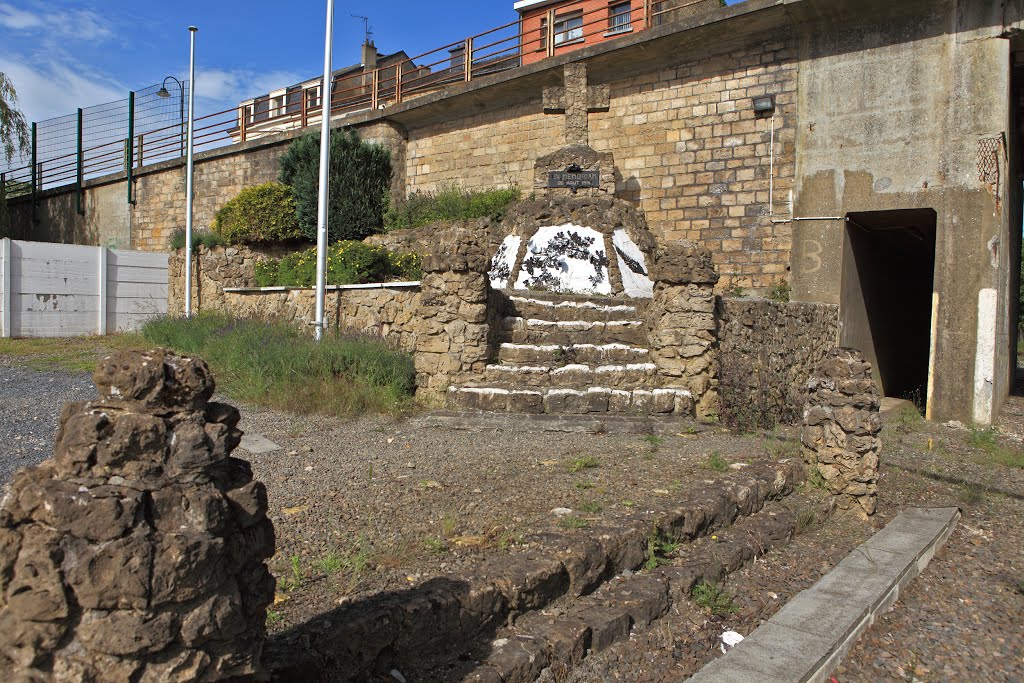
{"x":532,"y":4}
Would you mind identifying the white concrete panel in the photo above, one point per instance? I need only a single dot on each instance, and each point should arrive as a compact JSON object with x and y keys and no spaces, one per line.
{"x":984,"y":357}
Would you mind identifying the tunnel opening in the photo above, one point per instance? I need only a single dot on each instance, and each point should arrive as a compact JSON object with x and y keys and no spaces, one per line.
{"x":886,"y":305}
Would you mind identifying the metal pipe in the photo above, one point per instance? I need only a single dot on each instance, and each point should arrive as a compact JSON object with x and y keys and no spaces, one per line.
{"x":130,"y":148}
{"x":325,"y":160}
{"x":78,"y":163}
{"x":189,"y":170}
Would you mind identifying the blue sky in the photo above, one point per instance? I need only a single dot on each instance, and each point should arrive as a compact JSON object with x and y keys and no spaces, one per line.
{"x":64,"y":54}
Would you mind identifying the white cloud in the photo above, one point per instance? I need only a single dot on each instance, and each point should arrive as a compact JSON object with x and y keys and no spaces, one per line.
{"x":51,"y":89}
{"x":227,"y":87}
{"x":68,"y":24}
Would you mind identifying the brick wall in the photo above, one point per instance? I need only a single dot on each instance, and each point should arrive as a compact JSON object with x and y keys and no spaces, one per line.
{"x":686,"y":143}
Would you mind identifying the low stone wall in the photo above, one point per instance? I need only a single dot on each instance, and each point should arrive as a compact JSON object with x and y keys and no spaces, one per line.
{"x":137,"y":552}
{"x":213,"y":270}
{"x":767,"y":352}
{"x":389,"y":312}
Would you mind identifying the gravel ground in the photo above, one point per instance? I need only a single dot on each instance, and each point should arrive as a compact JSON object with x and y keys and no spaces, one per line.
{"x":30,"y":403}
{"x":377,"y":504}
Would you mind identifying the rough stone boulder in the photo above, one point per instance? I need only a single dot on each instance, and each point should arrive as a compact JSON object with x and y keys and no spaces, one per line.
{"x":137,"y":552}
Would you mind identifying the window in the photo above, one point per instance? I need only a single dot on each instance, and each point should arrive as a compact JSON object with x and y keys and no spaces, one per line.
{"x":619,"y":17}
{"x":543,"y":33}
{"x":569,"y":28}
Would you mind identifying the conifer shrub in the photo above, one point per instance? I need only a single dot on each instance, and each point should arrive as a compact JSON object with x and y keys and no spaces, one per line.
{"x":263,"y":213}
{"x":360,"y":177}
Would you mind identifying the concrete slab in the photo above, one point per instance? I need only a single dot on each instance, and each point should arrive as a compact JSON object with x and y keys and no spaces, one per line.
{"x":254,"y":443}
{"x":807,"y":639}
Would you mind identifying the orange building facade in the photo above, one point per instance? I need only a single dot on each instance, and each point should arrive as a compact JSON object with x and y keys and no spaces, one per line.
{"x":551,"y":27}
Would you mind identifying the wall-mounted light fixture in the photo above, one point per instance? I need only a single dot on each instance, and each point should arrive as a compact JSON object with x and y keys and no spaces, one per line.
{"x":764,"y":105}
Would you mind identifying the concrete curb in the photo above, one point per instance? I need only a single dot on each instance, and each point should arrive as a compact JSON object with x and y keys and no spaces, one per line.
{"x":808,"y":637}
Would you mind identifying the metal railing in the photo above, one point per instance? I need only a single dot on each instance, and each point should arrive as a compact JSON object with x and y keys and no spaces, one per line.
{"x":494,"y":51}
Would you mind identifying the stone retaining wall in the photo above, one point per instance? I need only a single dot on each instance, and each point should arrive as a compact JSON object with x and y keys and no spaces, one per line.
{"x":387,"y":312}
{"x":213,"y":270}
{"x":767,"y":352}
{"x":137,"y":552}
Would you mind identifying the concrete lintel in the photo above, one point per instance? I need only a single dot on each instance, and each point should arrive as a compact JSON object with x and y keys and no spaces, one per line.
{"x":808,"y":637}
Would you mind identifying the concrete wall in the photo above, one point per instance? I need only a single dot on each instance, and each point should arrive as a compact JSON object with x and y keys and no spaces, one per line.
{"x":64,"y":290}
{"x":105,"y":219}
{"x":896,"y":105}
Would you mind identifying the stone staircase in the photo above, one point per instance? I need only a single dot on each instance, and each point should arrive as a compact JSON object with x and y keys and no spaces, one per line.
{"x":570,"y":354}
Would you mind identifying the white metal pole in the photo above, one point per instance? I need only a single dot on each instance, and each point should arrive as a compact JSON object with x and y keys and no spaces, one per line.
{"x":188,"y":170}
{"x":325,"y":160}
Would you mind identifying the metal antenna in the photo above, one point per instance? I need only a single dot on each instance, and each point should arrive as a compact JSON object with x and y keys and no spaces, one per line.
{"x":366,"y":27}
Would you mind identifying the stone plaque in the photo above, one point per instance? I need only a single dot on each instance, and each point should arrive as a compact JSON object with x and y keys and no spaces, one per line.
{"x":574,"y":179}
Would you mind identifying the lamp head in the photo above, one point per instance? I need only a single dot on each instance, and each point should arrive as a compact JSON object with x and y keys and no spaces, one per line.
{"x":162,"y":92}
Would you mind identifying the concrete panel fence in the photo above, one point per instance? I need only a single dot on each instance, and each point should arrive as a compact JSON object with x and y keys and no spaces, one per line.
{"x":63,"y":290}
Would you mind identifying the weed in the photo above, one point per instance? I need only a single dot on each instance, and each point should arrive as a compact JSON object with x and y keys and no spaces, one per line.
{"x":711,"y":597}
{"x":436,"y":546}
{"x":716,"y":462}
{"x":583,"y":462}
{"x":628,"y":503}
{"x":572,"y":522}
{"x":565,"y":354}
{"x":972,"y":493}
{"x":907,"y":419}
{"x":658,"y":548}
{"x":1020,"y":587}
{"x":689,"y":429}
{"x":735,"y":291}
{"x":275,"y":365}
{"x":584,"y":485}
{"x":273,"y":618}
{"x":780,"y":292}
{"x":293,"y":581}
{"x":815,"y":479}
{"x":984,"y":439}
{"x":331,"y":563}
{"x":805,"y":519}
{"x":996,"y":454}
{"x":592,"y":507}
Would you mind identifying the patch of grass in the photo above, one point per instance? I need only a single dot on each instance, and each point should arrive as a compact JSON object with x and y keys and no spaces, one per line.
{"x":972,"y":493}
{"x":780,"y":449}
{"x":593,"y":507}
{"x":435,"y":546}
{"x":907,"y":419}
{"x":572,"y":522}
{"x":273,"y":618}
{"x":331,"y":563}
{"x":995,"y":453}
{"x":275,"y":365}
{"x":448,"y":204}
{"x":583,"y":462}
{"x":654,"y":441}
{"x":716,"y":462}
{"x":69,"y":353}
{"x":805,"y":520}
{"x":711,"y":597}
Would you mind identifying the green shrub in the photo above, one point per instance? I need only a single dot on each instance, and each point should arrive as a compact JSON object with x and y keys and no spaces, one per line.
{"x":274,"y":364}
{"x":199,"y":238}
{"x":348,"y":263}
{"x":360,"y":176}
{"x":263,"y":213}
{"x":451,"y":203}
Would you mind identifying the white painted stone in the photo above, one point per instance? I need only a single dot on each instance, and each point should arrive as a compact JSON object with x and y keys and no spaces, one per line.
{"x":636,"y":281}
{"x":503,"y":261}
{"x":584,"y":272}
{"x":984,"y":357}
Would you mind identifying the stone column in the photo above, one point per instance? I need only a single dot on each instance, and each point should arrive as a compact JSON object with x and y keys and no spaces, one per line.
{"x":840,"y":429}
{"x":452,"y":333}
{"x":681,"y":323}
{"x":136,"y":553}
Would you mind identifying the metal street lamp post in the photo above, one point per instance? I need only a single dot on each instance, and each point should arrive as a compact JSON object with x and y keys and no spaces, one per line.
{"x":162,"y":92}
{"x":189,"y":170}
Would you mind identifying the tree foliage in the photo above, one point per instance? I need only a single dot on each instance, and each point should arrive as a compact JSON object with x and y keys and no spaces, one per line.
{"x":360,"y":175}
{"x":13,"y":127}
